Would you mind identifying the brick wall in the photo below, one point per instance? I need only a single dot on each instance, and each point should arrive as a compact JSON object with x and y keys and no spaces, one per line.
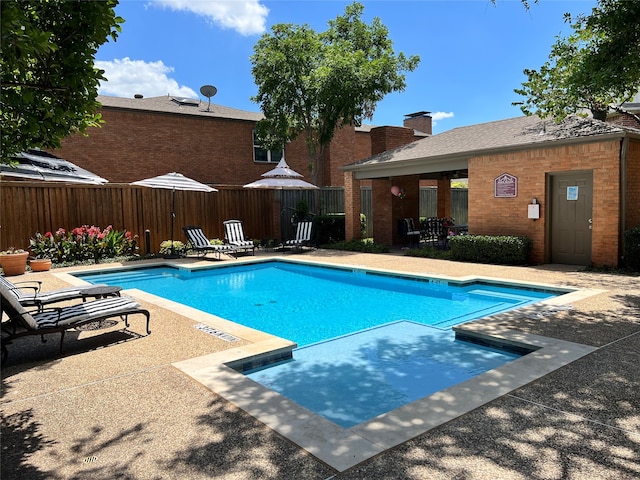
{"x":508,"y":216}
{"x":387,"y":138}
{"x":136,"y":144}
{"x":632,"y":218}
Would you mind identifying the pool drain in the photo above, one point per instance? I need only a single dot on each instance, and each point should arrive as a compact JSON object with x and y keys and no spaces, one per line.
{"x":90,"y":459}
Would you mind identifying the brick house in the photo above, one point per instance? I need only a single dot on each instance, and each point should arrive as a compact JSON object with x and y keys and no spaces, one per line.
{"x":583,"y":175}
{"x":214,"y":144}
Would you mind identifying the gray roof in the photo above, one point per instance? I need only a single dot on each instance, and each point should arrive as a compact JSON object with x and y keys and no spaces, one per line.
{"x":165,"y":104}
{"x":452,"y":149}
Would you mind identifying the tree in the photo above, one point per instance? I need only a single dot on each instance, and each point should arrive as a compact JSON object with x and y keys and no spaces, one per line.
{"x":48,"y":80}
{"x":597,"y":67}
{"x":313,"y":83}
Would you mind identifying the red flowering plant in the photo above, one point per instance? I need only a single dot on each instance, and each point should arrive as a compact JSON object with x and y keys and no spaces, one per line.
{"x":43,"y":246}
{"x":83,"y":243}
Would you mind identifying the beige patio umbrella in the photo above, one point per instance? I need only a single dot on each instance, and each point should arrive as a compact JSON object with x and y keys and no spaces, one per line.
{"x":174,"y":181}
{"x":282,"y":178}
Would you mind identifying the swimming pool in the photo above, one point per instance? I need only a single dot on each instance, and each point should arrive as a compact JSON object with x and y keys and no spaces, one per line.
{"x":309,"y":303}
{"x":351,"y":379}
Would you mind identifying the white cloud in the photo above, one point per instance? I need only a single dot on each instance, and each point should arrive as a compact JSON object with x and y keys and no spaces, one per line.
{"x":126,"y":77}
{"x":436,"y":116}
{"x":247,"y":17}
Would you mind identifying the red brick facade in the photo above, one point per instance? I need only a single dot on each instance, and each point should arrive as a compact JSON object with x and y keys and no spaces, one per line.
{"x":508,"y":216}
{"x":533,"y":167}
{"x":134,"y":144}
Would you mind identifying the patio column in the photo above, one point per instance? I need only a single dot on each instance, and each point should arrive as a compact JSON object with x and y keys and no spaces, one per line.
{"x":352,"y":206}
{"x":407,"y":207}
{"x":382,"y":207}
{"x":389,"y":209}
{"x":444,"y":197}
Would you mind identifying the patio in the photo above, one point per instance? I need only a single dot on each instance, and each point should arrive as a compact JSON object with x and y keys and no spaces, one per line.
{"x":114,"y":406}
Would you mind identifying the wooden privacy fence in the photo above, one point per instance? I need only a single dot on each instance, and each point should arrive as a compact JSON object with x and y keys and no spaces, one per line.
{"x":30,"y":207}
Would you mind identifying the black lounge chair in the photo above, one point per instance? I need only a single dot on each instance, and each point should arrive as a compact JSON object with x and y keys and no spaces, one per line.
{"x":29,"y":295}
{"x":199,"y":242}
{"x":21,"y":322}
{"x":234,"y":233}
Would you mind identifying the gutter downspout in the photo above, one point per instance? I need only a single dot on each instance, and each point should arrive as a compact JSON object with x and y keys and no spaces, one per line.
{"x":623,"y":192}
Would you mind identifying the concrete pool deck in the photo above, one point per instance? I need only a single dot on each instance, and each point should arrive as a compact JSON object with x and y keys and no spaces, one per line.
{"x":114,"y":404}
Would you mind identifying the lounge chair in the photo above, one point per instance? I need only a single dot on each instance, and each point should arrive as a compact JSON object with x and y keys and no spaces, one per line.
{"x":234,"y":235}
{"x":199,"y":242}
{"x":303,"y":236}
{"x":28,"y":293}
{"x":21,"y":322}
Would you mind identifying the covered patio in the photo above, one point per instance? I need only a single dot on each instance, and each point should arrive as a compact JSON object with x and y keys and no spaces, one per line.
{"x":571,"y":187}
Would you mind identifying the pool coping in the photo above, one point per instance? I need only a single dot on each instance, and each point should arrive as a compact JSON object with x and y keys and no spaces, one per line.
{"x":342,"y":448}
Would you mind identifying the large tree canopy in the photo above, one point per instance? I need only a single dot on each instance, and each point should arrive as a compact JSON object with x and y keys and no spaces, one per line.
{"x":597,"y":67}
{"x":313,"y":83}
{"x":47,"y":74}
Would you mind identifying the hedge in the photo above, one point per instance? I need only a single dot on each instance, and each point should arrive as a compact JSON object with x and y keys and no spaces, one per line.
{"x":503,"y":250}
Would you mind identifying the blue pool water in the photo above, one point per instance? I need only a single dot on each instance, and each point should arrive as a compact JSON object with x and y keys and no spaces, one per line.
{"x":309,"y":304}
{"x":357,"y":377}
{"x":369,"y":342}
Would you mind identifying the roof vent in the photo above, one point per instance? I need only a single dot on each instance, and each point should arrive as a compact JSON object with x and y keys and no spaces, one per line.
{"x":138,"y":95}
{"x":184,"y":101}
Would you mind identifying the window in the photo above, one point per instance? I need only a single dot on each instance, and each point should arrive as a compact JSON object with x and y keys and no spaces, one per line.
{"x":267,"y":156}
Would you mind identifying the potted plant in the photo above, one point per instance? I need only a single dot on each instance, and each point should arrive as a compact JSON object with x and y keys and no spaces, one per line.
{"x":13,"y":261}
{"x":42,"y":251}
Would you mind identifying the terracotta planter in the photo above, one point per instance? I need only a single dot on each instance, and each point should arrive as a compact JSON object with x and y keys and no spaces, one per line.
{"x":14,"y":263}
{"x":40,"y":264}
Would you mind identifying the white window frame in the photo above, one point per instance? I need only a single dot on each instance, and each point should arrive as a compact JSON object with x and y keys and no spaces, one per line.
{"x":270,"y":159}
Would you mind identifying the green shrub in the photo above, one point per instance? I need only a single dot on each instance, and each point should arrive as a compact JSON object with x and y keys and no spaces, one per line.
{"x":504,"y":250}
{"x":178,"y":247}
{"x":632,"y":248}
{"x":365,"y":246}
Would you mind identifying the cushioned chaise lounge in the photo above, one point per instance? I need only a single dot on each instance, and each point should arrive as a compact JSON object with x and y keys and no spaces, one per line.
{"x":234,"y":234}
{"x":199,"y":242}
{"x":29,"y":295}
{"x":22,"y":322}
{"x":303,"y":236}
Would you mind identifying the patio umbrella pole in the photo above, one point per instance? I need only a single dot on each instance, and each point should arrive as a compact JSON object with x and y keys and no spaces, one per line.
{"x":173,"y":216}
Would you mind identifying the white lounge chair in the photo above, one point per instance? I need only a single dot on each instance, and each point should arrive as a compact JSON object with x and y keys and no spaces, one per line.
{"x":303,"y":236}
{"x":199,"y":242}
{"x":234,"y":234}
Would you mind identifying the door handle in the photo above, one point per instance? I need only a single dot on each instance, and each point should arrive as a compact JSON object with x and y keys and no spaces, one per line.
{"x":590,"y":223}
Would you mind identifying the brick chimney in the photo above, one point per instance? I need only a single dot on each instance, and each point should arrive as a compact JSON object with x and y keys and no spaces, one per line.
{"x":419,"y":121}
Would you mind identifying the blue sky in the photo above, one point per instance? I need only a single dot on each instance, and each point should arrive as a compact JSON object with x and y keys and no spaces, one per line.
{"x":472,"y":52}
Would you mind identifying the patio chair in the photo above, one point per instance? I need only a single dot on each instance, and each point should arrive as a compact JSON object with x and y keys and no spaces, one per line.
{"x":28,"y":293}
{"x":21,"y":322}
{"x":410,"y":233}
{"x":234,"y":235}
{"x":303,"y":236}
{"x":199,"y":242}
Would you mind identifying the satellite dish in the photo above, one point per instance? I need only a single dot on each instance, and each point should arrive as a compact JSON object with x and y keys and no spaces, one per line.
{"x":208,"y":91}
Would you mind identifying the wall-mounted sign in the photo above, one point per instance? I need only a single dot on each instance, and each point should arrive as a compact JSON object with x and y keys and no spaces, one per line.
{"x":572,"y":193}
{"x":505,"y":186}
